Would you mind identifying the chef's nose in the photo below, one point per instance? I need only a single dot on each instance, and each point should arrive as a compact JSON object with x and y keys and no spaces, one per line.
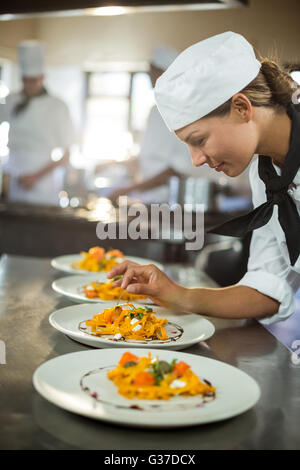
{"x":198,"y":157}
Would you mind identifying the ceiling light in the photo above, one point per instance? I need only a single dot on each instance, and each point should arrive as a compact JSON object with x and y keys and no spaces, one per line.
{"x":108,"y":11}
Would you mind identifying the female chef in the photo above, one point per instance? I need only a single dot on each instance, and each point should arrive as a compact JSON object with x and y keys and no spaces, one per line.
{"x":39,"y":123}
{"x":227,"y":106}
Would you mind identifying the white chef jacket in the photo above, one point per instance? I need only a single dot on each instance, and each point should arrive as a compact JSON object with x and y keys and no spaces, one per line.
{"x":269,"y":268}
{"x":44,"y":125}
{"x":161,"y":149}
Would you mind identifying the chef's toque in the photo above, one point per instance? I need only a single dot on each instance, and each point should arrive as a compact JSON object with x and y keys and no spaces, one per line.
{"x":31,"y":58}
{"x":203,"y":77}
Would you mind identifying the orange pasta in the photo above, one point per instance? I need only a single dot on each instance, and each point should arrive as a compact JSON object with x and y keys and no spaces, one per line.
{"x":107,"y":291}
{"x":151,"y":379}
{"x":128,"y":322}
{"x":97,"y":260}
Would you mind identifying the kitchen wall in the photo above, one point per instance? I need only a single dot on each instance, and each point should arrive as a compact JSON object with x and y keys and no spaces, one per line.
{"x":271,"y":25}
{"x":12,"y":32}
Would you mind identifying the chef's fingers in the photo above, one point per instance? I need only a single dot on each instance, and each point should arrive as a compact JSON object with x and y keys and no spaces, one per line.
{"x":143,"y":289}
{"x":120,"y":269}
{"x":135,"y":273}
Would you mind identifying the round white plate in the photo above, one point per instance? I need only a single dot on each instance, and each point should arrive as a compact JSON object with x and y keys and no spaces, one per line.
{"x":183,"y":330}
{"x":64,"y":263}
{"x":71,"y":287}
{"x":77,"y":382}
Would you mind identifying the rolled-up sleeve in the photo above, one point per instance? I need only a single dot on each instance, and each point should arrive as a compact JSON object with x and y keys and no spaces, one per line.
{"x":277,"y":285}
{"x":269,"y":270}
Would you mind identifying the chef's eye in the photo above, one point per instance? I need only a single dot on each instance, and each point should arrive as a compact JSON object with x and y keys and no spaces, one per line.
{"x":198,"y":142}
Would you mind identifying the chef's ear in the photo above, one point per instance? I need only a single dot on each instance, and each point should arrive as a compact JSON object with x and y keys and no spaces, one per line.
{"x":241,"y":105}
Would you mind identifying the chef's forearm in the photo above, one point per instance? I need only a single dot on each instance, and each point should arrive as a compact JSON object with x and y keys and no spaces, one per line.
{"x":229,"y":302}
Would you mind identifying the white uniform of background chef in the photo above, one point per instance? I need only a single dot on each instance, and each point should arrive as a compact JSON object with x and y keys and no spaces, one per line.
{"x":162,"y":155}
{"x":40,"y":126}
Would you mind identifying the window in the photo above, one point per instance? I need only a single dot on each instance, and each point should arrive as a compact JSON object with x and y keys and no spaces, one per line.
{"x":296,"y":76}
{"x":116,"y":109}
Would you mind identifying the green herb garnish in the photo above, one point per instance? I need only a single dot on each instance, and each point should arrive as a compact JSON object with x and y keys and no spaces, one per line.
{"x":130,"y":364}
{"x":160,"y":369}
{"x":165,"y":367}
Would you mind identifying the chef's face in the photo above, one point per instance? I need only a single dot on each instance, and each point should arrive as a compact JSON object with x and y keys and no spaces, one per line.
{"x":33,"y":85}
{"x":226,"y":143}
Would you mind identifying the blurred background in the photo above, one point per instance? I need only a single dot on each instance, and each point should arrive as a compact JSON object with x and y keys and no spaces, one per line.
{"x":97,"y":61}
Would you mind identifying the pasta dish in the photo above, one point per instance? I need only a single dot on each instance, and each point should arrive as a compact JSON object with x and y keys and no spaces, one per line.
{"x":152,"y":379}
{"x":107,"y":291}
{"x":128,"y":322}
{"x":96,"y":259}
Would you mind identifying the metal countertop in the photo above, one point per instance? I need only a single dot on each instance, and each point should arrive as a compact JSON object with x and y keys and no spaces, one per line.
{"x":27,"y":421}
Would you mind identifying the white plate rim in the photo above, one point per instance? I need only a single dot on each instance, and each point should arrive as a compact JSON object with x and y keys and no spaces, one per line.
{"x":81,"y":279}
{"x":162,"y":425}
{"x":55,"y":263}
{"x":98,"y":342}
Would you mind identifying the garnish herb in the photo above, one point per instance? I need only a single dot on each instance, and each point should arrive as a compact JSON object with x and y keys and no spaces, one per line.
{"x":148,"y":309}
{"x":130,"y":364}
{"x":161,"y":368}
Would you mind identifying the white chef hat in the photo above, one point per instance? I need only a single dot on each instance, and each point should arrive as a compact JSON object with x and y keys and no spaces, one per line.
{"x":203,"y":77}
{"x":31,"y":58}
{"x":163,"y":56}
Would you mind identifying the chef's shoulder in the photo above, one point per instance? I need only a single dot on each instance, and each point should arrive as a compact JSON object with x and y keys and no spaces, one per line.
{"x":8,"y":104}
{"x":57,"y":105}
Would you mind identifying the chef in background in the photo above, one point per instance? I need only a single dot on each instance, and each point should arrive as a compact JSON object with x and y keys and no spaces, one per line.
{"x":162,"y":155}
{"x":39,"y":124}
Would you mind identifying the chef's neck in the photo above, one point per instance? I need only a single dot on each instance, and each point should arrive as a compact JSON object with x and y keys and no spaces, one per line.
{"x":275,"y":133}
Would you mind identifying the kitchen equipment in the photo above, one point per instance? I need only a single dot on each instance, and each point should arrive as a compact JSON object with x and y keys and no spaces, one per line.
{"x":189,"y":190}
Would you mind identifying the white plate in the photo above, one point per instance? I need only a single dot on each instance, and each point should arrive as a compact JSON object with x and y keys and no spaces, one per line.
{"x":69,"y":380}
{"x":64,"y":263}
{"x":71,"y":287}
{"x":183,"y":330}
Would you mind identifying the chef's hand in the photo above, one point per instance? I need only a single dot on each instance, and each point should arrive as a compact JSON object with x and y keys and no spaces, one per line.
{"x":148,"y":280}
{"x":29,"y":180}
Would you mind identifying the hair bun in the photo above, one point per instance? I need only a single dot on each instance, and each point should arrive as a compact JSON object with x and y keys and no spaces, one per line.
{"x":280,"y":83}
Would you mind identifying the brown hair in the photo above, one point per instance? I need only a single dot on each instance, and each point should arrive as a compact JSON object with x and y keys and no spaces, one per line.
{"x":272,"y":87}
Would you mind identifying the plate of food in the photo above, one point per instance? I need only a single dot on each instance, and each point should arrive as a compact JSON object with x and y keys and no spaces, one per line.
{"x":95,"y":260}
{"x":110,"y":325}
{"x":94,"y":289}
{"x":149,"y":389}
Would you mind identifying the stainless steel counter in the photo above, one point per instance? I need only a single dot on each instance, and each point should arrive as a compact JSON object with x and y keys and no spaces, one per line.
{"x":27,"y":421}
